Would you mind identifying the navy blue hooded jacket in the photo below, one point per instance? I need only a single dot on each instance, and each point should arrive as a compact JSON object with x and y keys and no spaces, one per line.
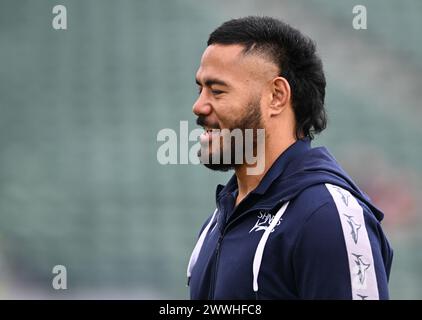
{"x":305,"y":232}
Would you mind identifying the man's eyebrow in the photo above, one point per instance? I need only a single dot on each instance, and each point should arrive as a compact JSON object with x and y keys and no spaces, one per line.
{"x":212,"y":81}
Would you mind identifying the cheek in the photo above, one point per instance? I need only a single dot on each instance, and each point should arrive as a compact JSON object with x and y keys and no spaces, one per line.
{"x":229,"y":112}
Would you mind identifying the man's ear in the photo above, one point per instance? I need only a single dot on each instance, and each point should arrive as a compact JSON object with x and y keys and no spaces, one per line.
{"x":280,"y":95}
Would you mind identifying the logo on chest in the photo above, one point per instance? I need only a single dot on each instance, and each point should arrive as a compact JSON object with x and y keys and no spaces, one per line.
{"x":264,"y":221}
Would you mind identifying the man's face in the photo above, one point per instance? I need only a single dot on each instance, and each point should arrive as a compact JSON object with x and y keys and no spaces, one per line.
{"x":230,"y":90}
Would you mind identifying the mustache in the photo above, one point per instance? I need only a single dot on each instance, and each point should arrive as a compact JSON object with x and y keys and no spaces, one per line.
{"x":201,"y":121}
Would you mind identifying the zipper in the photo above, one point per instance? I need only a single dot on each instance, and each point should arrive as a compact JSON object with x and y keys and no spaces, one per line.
{"x":211,"y":292}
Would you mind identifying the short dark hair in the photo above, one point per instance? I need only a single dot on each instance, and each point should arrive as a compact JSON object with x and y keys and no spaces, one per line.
{"x":294,"y":54}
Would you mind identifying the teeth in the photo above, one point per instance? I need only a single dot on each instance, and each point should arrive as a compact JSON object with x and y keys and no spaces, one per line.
{"x":209,"y":130}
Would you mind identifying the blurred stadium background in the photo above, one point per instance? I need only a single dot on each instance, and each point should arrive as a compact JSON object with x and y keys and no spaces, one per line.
{"x":80,"y":110}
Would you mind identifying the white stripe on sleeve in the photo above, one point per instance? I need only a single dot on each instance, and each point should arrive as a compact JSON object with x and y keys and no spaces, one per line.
{"x":359,"y":252}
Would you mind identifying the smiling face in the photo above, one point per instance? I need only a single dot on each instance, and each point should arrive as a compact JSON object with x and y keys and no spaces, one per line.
{"x":232,"y":87}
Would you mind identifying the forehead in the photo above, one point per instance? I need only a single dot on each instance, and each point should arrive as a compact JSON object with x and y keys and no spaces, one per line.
{"x":229,"y":63}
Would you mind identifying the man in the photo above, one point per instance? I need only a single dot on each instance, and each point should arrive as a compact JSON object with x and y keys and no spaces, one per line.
{"x":300,"y":229}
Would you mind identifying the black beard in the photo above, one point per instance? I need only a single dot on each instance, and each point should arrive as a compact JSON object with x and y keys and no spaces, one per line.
{"x":251,"y":120}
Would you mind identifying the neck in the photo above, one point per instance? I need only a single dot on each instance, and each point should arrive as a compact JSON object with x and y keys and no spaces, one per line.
{"x":247,"y":182}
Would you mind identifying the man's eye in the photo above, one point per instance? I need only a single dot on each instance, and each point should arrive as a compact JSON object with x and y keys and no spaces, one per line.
{"x":215,"y":92}
{"x":199,"y":90}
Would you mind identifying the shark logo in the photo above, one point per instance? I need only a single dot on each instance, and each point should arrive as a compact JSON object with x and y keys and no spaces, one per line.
{"x":361,"y":268}
{"x":362,"y":297}
{"x":263,"y":222}
{"x":354,"y":228}
{"x":344,"y":196}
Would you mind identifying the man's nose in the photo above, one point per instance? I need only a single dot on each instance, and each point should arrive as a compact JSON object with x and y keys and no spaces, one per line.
{"x":202,"y":106}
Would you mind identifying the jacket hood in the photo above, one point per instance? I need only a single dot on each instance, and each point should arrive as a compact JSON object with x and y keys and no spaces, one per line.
{"x":317,"y":166}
